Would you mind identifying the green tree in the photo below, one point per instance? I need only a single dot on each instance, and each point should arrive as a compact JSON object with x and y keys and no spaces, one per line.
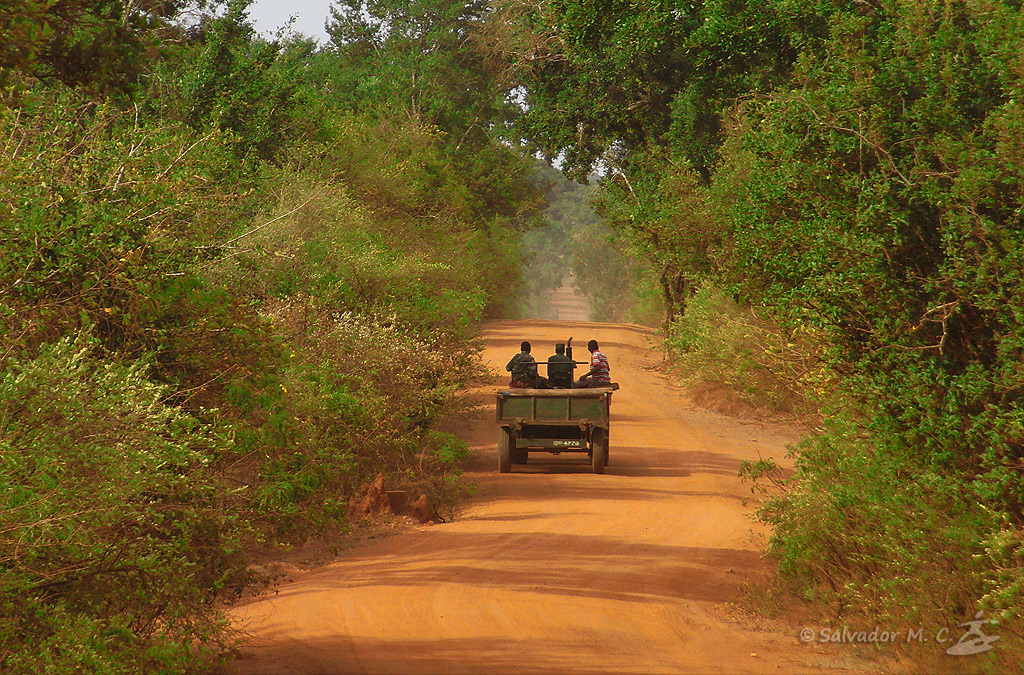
{"x":878,"y":196}
{"x":412,"y":60}
{"x":639,"y":90}
{"x":99,"y":44}
{"x":604,"y":79}
{"x":412,"y":55}
{"x":236,"y":82}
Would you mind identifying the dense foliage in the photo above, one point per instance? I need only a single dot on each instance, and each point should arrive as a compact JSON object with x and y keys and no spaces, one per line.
{"x":882,"y":201}
{"x":229,"y":295}
{"x":852,"y":172}
{"x":239,"y":277}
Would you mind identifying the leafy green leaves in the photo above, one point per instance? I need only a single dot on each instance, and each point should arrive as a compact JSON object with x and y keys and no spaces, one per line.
{"x":610,"y":74}
{"x":853,"y":170}
{"x":297,"y":262}
{"x":875,"y":197}
{"x":98,"y":44}
{"x":105,"y":489}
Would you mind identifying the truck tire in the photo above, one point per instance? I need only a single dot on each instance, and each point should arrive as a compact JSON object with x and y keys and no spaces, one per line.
{"x":505,"y":441}
{"x":598,"y":450}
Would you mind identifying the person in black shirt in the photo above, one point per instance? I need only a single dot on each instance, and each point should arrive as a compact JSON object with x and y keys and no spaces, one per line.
{"x":560,"y":367}
{"x":523,"y":368}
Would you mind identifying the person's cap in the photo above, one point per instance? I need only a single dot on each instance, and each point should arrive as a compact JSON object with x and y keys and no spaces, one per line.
{"x":559,"y":347}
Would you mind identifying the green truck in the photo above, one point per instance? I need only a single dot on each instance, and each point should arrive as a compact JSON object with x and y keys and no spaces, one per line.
{"x":553,"y":421}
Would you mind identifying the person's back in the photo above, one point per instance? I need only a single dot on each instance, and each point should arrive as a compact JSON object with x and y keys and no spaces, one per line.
{"x":560,"y":368}
{"x":523,"y":368}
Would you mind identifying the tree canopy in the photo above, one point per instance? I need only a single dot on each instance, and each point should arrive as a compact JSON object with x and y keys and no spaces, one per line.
{"x":852,"y":171}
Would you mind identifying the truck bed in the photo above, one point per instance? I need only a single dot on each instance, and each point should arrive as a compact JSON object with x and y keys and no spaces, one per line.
{"x":554,"y":406}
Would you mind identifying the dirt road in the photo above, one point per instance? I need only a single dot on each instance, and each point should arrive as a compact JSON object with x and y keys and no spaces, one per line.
{"x":553,"y":569}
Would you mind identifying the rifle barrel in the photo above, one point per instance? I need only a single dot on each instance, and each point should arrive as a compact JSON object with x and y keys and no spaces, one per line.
{"x":578,"y":363}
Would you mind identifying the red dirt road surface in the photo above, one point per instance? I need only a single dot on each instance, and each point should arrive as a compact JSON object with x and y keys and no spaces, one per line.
{"x":553,"y":569}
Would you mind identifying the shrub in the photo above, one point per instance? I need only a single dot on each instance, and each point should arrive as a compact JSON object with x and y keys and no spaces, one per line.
{"x":114,"y":543}
{"x":359,"y":397}
{"x":716,"y":342}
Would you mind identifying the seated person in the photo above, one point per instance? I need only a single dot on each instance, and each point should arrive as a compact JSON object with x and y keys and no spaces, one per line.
{"x":600,"y":373}
{"x":523,"y":368}
{"x":560,"y":367}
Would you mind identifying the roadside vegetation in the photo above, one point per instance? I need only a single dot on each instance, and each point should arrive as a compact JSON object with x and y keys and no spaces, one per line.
{"x":830,"y":194}
{"x":238,"y":279}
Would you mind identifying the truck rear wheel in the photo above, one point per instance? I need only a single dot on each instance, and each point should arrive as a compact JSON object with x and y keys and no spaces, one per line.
{"x":598,"y":450}
{"x":505,"y":442}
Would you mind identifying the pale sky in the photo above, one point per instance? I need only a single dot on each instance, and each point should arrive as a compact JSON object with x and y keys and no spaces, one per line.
{"x":269,"y":15}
